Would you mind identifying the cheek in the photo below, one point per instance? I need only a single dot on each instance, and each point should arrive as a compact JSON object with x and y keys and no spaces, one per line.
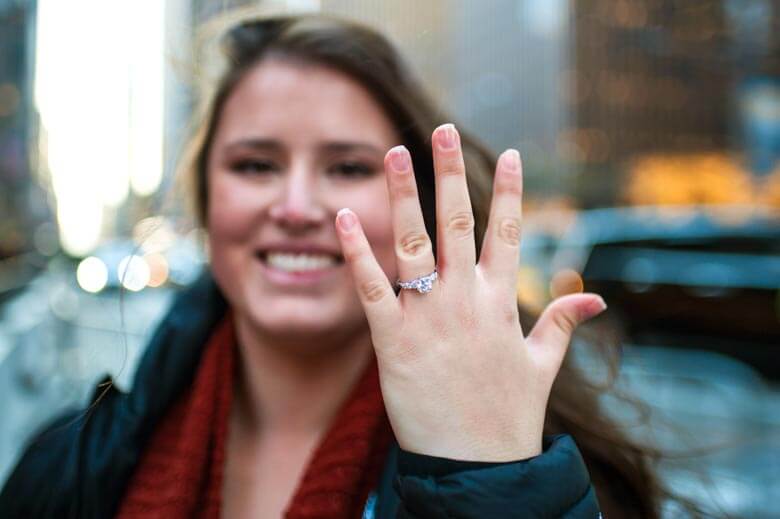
{"x":230,"y":221}
{"x":230,"y":212}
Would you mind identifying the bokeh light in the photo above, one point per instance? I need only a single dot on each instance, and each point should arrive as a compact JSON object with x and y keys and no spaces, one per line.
{"x":92,"y":274}
{"x":158,"y":269}
{"x":564,"y":282}
{"x":134,"y":273}
{"x":154,"y":234}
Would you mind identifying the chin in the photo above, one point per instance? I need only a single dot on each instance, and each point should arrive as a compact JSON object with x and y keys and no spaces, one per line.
{"x":293,"y":328}
{"x":302,"y":321}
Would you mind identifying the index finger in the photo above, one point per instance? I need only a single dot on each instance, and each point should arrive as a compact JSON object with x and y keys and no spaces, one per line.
{"x":374,"y":290}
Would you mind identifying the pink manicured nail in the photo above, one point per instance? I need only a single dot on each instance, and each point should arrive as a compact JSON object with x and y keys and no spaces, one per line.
{"x":511,"y":159}
{"x":591,"y":308}
{"x":448,"y":137}
{"x":399,"y":159}
{"x":346,"y":219}
{"x":597,"y":306}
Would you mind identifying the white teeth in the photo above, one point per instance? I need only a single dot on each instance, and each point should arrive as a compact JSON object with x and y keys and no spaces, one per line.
{"x":299,"y":262}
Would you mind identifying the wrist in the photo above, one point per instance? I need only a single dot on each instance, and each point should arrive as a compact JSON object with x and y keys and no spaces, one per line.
{"x":487,"y":448}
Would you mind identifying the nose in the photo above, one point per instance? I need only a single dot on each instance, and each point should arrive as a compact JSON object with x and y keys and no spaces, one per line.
{"x":298,"y":205}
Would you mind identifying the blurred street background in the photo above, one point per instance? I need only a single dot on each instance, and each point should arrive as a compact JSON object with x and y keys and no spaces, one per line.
{"x":650,"y":136}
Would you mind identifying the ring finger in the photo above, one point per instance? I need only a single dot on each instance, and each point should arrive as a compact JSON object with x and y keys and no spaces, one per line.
{"x":413,"y":250}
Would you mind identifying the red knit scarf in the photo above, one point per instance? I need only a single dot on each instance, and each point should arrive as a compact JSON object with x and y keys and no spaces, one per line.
{"x":179,"y":475}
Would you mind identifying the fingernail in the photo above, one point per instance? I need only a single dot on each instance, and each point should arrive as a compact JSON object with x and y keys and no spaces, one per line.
{"x":448,"y":137}
{"x":598,"y":306}
{"x":511,"y":159}
{"x":346,"y":219}
{"x":399,"y":159}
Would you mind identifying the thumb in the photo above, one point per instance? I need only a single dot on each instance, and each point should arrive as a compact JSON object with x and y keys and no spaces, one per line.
{"x":557,"y":323}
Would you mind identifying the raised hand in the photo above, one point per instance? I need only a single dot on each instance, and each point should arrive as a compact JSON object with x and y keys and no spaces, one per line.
{"x":459,"y":378}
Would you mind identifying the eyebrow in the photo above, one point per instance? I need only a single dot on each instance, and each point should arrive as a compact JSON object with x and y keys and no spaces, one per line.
{"x":329,"y":146}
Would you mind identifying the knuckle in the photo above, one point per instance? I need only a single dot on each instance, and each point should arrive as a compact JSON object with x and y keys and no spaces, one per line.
{"x":403,"y":353}
{"x":564,"y":320}
{"x":405,"y":190}
{"x":510,"y":313}
{"x":509,"y":230}
{"x":451,"y":166}
{"x":414,"y":244}
{"x":509,"y":183}
{"x":469,"y":318}
{"x":373,"y":290}
{"x":461,"y":222}
{"x":352,"y":255}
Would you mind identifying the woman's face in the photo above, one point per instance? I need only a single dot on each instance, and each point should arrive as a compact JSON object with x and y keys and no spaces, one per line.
{"x":294,"y":144}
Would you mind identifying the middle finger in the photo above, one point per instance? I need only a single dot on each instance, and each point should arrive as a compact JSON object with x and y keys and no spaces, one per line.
{"x":454,"y":218}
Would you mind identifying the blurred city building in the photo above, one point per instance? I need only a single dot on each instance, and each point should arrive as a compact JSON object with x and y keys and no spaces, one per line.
{"x":682,"y":96}
{"x":25,"y":216}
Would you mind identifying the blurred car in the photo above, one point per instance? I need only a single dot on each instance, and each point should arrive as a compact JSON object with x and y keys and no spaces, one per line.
{"x":695,"y":293}
{"x":690,"y":277}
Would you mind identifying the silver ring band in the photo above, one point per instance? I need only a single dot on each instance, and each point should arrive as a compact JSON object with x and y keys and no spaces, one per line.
{"x":422,"y":284}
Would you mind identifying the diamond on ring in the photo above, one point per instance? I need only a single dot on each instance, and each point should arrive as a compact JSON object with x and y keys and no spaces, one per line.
{"x":422,"y":284}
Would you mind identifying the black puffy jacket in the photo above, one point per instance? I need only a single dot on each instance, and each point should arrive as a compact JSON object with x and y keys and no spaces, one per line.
{"x":81,"y":464}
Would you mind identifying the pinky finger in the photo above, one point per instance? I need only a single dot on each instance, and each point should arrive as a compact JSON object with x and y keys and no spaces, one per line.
{"x":375,"y":292}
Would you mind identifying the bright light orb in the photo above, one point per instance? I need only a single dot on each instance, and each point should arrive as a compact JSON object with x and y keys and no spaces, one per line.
{"x":134,"y":273}
{"x":92,"y":274}
{"x":158,"y":269}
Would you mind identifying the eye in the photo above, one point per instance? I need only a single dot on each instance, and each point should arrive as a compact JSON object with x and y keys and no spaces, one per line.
{"x":352,"y":169}
{"x":253,"y":166}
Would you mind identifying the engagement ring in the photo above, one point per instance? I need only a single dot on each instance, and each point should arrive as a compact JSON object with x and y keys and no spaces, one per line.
{"x":422,"y":284}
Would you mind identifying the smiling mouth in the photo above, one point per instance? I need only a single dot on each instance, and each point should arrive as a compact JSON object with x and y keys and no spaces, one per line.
{"x":299,"y":262}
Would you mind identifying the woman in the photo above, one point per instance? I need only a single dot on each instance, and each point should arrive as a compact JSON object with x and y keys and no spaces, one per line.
{"x":296,"y":377}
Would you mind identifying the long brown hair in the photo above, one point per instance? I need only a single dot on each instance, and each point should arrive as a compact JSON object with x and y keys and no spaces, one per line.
{"x":620,"y":468}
